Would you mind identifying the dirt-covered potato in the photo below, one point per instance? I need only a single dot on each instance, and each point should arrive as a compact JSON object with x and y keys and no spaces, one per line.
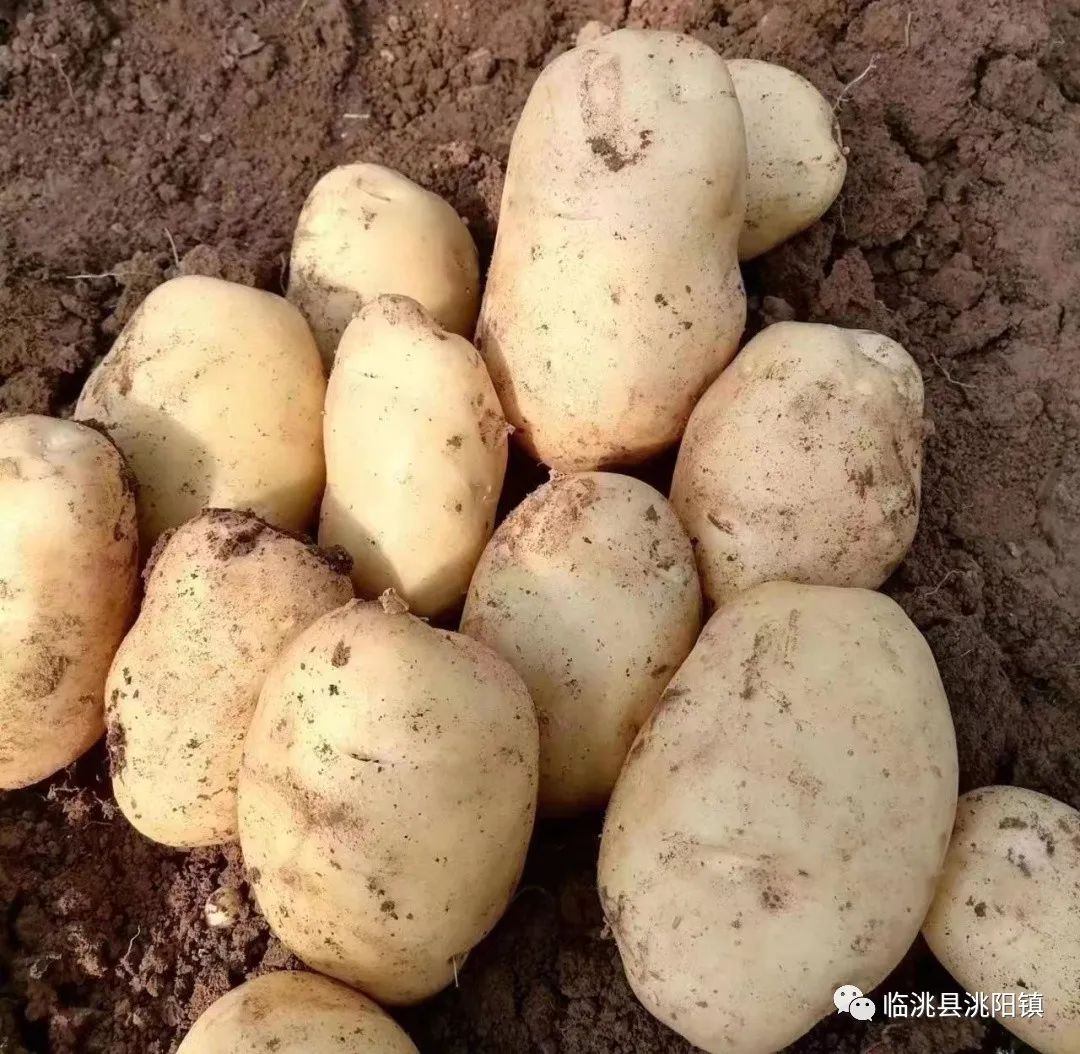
{"x":588,"y":589}
{"x":214,"y":392}
{"x":367,"y":230}
{"x":68,"y":578}
{"x":1006,"y":917}
{"x":224,"y":594}
{"x":387,"y":797}
{"x":782,"y":817}
{"x":614,"y":294}
{"x":802,"y":462}
{"x":415,"y":455}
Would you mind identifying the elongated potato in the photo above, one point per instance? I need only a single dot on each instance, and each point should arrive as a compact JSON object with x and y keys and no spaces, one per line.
{"x":415,"y":452}
{"x":614,"y":294}
{"x":68,"y":577}
{"x":782,"y":816}
{"x":803,"y":461}
{"x":589,"y":591}
{"x":214,"y":393}
{"x":226,"y":592}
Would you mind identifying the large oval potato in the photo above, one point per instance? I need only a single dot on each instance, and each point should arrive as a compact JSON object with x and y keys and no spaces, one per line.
{"x":68,"y":580}
{"x":415,"y":455}
{"x":1006,"y":918}
{"x":588,"y":589}
{"x":782,"y":816}
{"x":803,"y":461}
{"x":387,"y":798}
{"x":614,"y":294}
{"x":224,"y":594}
{"x":214,"y":392}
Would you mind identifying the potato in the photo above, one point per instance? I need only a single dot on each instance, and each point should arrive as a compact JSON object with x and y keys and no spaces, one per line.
{"x":795,"y":158}
{"x":614,"y":294}
{"x":366,"y":230}
{"x":415,"y":452}
{"x":68,"y":578}
{"x":295,"y":1013}
{"x":782,"y":816}
{"x":387,"y":798}
{"x":224,"y":595}
{"x":589,"y":591}
{"x":802,"y":462}
{"x":214,"y":392}
{"x":1006,"y":917}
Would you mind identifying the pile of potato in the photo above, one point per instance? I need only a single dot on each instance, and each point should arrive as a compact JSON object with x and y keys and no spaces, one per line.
{"x":780,"y":784}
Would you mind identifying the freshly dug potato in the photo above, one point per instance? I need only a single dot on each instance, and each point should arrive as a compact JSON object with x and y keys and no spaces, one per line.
{"x":589,"y":591}
{"x":295,"y":1013}
{"x":387,"y":797}
{"x":214,"y":392}
{"x":415,"y":454}
{"x":803,"y":461}
{"x":782,"y":817}
{"x":1006,"y":917}
{"x":614,"y":294}
{"x":366,"y":230}
{"x":68,"y":577}
{"x":224,"y":595}
{"x":795,"y":158}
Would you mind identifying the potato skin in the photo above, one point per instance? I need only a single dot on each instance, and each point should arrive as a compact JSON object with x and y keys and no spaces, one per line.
{"x":387,"y":797}
{"x":614,"y":294}
{"x":588,"y":589}
{"x":1006,"y":917}
{"x":224,"y":595}
{"x":416,"y":453}
{"x":782,"y":816}
{"x":68,"y":581}
{"x":803,"y":462}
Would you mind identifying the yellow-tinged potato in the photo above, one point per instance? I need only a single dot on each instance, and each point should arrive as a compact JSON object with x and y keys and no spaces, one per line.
{"x":224,"y":594}
{"x":588,"y":589}
{"x":367,"y":230}
{"x":68,"y":578}
{"x":214,"y":392}
{"x":1006,"y":917}
{"x":782,"y":817}
{"x":415,"y":454}
{"x":614,"y":294}
{"x":387,"y":797}
{"x":802,"y":462}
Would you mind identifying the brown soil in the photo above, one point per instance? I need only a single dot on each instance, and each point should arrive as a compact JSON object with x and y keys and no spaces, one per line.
{"x":138,"y":137}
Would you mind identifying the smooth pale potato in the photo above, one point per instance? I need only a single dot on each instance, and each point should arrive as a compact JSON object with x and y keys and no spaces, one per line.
{"x":803,"y":462}
{"x":794,"y":155}
{"x":588,"y":589}
{"x":1006,"y":917}
{"x":614,"y":294}
{"x":387,"y":797}
{"x":367,"y":230}
{"x":415,"y":455}
{"x":295,"y":1013}
{"x":782,"y":817}
{"x":214,"y":393}
{"x":68,"y":580}
{"x":224,"y":595}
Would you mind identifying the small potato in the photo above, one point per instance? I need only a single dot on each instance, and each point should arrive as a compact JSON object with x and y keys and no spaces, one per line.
{"x":781,"y":819}
{"x":214,"y":392}
{"x":68,"y":579}
{"x":803,"y":461}
{"x":387,"y":798}
{"x":1006,"y":917}
{"x":366,"y":230}
{"x":224,"y":594}
{"x":415,"y":453}
{"x":589,"y":591}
